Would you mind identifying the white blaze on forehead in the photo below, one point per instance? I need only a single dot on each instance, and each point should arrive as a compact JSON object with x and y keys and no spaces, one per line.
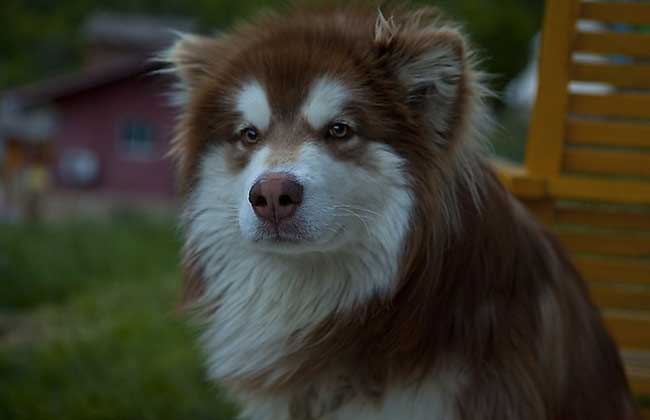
{"x":253,"y":104}
{"x":326,"y":100}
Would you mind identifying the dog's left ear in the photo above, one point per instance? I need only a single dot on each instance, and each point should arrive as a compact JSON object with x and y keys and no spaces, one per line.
{"x":429,"y":62}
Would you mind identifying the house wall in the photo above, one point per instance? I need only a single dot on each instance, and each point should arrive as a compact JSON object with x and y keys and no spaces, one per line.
{"x":93,"y":120}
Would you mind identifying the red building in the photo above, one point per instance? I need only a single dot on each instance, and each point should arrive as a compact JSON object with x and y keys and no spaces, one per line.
{"x":112,"y":132}
{"x":106,"y":129}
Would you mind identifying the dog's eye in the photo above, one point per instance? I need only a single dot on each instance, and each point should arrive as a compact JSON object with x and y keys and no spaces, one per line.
{"x":249,"y":134}
{"x":340,"y":130}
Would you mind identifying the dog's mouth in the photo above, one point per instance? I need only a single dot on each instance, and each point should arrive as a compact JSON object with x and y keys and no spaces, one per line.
{"x":279,"y":238}
{"x":281,"y":233}
{"x":293,"y":238}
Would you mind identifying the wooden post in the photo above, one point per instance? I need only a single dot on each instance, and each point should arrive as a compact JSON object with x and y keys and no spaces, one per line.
{"x":547,"y":131}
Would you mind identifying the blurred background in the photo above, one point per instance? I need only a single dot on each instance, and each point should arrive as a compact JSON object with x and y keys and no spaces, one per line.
{"x":88,"y":246}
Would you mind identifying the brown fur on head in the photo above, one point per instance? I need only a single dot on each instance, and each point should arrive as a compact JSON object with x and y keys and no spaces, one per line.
{"x":405,"y":263}
{"x":391,"y":52}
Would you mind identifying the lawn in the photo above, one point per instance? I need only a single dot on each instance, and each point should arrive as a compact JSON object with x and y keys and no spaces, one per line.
{"x":88,"y":328}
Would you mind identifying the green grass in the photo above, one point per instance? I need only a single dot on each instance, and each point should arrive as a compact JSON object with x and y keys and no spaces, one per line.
{"x":88,"y":328}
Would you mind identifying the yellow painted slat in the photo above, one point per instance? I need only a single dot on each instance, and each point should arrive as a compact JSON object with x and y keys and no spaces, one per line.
{"x":615,"y":244}
{"x":544,"y":147}
{"x":632,"y":44}
{"x":634,"y":105}
{"x":616,"y":297}
{"x":645,"y":413}
{"x":631,"y":76}
{"x":542,"y":209}
{"x":517,"y":180}
{"x":602,"y":190}
{"x":619,"y":270}
{"x":607,"y":162}
{"x":632,"y":13}
{"x":624,"y":270}
{"x":604,"y":218}
{"x":608,"y":133}
{"x":628,"y":331}
{"x":637,"y":367}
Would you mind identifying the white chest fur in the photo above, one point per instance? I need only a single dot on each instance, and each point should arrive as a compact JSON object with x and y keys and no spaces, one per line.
{"x":432,"y":400}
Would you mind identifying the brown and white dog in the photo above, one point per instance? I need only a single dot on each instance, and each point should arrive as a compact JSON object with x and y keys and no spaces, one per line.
{"x":353,"y":254}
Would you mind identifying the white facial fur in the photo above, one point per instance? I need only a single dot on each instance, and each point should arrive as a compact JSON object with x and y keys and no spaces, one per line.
{"x":266,"y":296}
{"x":325,"y":102}
{"x":341,"y":200}
{"x":253,"y":105}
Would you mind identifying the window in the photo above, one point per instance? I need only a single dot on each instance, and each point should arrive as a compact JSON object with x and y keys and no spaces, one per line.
{"x":136,"y":140}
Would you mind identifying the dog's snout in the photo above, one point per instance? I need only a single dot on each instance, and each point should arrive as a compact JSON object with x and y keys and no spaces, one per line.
{"x":275,"y":197}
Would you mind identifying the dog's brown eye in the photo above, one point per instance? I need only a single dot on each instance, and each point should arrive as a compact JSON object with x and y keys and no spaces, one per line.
{"x":340,"y":130}
{"x":249,"y":134}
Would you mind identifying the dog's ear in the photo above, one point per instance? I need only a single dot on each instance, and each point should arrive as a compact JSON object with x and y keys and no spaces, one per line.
{"x":191,"y":59}
{"x":429,"y":61}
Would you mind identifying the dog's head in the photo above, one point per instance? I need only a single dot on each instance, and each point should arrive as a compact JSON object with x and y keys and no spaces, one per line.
{"x":318,"y":131}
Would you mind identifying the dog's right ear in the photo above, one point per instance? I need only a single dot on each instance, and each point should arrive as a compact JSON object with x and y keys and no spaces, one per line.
{"x":192,"y":59}
{"x":429,"y":58}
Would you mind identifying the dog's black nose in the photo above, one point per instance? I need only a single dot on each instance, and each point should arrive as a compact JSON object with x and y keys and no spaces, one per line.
{"x":275,"y":197}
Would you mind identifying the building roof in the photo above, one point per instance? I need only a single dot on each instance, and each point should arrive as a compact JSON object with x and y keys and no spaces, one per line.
{"x":139,"y":31}
{"x":57,"y":87}
{"x":23,"y":109}
{"x":138,"y":36}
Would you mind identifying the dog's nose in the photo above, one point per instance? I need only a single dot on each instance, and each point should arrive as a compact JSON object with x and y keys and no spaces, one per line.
{"x":275,"y":197}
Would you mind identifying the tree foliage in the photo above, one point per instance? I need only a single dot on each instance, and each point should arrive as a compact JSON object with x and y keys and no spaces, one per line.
{"x":43,"y":37}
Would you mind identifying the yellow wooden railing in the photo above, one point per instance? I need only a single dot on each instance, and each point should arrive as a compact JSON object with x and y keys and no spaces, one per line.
{"x":587,"y":167}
